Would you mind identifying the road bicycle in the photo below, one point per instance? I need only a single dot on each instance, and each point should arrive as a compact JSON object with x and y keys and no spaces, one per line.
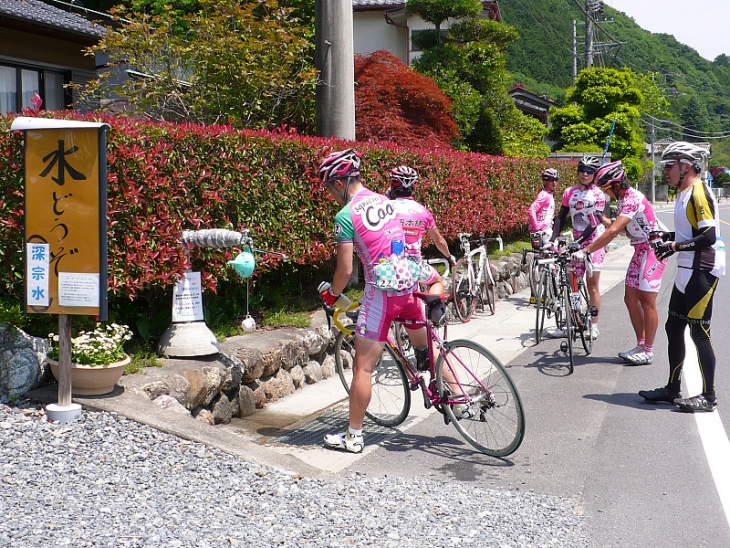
{"x":465,"y":382}
{"x":535,"y":267}
{"x":564,"y":295}
{"x":473,"y":284}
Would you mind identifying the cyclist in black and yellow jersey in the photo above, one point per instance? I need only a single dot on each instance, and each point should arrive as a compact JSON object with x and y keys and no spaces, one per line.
{"x":699,"y":265}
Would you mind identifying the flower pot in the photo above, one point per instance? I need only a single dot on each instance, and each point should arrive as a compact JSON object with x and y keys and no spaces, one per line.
{"x":87,"y":380}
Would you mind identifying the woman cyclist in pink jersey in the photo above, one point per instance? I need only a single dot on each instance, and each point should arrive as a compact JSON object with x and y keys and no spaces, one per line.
{"x":644,"y":275}
{"x":417,"y":221}
{"x":585,"y":202}
{"x":542,"y":212}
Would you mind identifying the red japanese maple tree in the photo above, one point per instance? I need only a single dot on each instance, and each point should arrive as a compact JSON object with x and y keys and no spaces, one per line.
{"x":395,"y":103}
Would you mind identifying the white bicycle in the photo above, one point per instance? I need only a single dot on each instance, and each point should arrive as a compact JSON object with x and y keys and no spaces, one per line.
{"x":473,"y":283}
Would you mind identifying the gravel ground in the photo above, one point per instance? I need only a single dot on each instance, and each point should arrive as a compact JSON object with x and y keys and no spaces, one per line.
{"x":106,"y":481}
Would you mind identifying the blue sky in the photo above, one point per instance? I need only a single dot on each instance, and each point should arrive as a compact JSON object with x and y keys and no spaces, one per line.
{"x":700,"y":24}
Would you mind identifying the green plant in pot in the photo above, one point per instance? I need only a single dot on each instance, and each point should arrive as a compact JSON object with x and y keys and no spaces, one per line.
{"x":97,"y":358}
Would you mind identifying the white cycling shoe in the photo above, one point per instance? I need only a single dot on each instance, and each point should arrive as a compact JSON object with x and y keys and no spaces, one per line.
{"x":343,"y":440}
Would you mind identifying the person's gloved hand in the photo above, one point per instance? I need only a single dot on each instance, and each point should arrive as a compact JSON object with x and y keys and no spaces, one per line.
{"x":452,"y":261}
{"x":336,"y":301}
{"x":664,"y":250}
{"x":579,"y":255}
{"x":659,"y":234}
{"x":572,"y":248}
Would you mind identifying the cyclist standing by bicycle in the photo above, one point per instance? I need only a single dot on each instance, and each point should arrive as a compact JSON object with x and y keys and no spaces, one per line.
{"x":417,"y":221}
{"x":542,"y":211}
{"x":585,"y":203}
{"x":696,"y":229}
{"x":644,"y":275}
{"x":368,"y":224}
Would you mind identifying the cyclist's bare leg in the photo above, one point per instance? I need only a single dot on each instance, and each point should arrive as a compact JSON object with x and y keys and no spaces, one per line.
{"x":636,"y":311}
{"x":594,"y":292}
{"x":367,"y":354}
{"x":437,"y":288}
{"x":651,"y":316}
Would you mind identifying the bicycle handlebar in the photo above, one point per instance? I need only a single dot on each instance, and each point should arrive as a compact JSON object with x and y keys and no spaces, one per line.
{"x":334,"y":314}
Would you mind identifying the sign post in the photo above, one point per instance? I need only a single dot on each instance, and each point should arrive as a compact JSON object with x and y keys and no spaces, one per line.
{"x":65,"y":231}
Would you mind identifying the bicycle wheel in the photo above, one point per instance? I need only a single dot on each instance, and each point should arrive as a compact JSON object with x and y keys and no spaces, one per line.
{"x":558,"y":308}
{"x":535,"y":273}
{"x":390,"y":400}
{"x":586,"y":318}
{"x":487,"y":289}
{"x":541,"y":305}
{"x":494,"y":421}
{"x":569,"y":328}
{"x":461,"y":289}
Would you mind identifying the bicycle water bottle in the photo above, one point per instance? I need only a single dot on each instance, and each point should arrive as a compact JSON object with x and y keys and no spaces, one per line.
{"x":422,"y":357}
{"x":719,"y":244}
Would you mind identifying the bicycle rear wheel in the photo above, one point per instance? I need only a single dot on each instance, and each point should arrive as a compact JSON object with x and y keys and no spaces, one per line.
{"x":542,"y":301}
{"x":494,"y":421}
{"x":390,"y":400}
{"x":569,"y":328}
{"x":461,"y":289}
{"x":487,"y":289}
{"x":534,"y":272}
{"x":586,"y":336}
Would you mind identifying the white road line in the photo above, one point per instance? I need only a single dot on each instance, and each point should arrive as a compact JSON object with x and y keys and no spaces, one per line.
{"x":714,"y":438}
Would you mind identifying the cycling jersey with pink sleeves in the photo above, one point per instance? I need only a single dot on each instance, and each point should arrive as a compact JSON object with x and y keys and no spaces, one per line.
{"x":586,"y":206}
{"x":416,"y":221}
{"x":371,"y":223}
{"x":643,"y":220}
{"x":542,"y":211}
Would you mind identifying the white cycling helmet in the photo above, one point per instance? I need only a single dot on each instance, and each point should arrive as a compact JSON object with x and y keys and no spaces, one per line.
{"x":687,"y":152}
{"x":403,"y":180}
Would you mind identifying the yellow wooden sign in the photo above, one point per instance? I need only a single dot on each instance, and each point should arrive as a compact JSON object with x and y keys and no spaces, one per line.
{"x":65,"y":220}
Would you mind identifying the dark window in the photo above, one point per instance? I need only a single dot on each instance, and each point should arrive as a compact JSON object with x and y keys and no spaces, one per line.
{"x":18,"y":86}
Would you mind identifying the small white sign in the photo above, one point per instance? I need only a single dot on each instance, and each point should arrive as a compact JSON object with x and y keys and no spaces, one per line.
{"x":187,"y":299}
{"x":39,"y":270}
{"x":78,"y":289}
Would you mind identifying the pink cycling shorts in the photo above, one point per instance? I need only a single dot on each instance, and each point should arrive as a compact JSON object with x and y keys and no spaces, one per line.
{"x":378,"y":309}
{"x":597,"y":258}
{"x":645,"y":270}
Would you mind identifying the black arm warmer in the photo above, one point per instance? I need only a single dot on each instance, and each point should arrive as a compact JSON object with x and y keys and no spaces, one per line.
{"x":560,"y":222}
{"x":701,"y":241}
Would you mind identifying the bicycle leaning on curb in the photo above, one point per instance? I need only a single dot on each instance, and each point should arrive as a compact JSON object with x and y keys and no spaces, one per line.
{"x":473,"y":283}
{"x":465,"y":382}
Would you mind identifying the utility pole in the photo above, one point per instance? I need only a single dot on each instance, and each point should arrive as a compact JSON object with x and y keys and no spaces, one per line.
{"x":652,"y":197}
{"x":334,"y":58}
{"x":589,"y":33}
{"x":575,"y":52}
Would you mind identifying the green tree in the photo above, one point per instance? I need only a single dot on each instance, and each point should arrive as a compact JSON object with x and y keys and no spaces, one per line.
{"x":602,"y":98}
{"x":468,"y":65}
{"x":438,"y":11}
{"x":244,"y":64}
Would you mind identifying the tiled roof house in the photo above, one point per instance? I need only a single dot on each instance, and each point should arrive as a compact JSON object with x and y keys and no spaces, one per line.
{"x":41,"y":49}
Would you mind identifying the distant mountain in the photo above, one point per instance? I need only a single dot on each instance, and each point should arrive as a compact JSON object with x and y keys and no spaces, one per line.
{"x":542,"y":58}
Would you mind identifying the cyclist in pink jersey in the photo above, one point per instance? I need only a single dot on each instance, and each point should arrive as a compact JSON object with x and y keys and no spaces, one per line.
{"x":417,"y":221}
{"x":644,"y":275}
{"x":369,"y":225}
{"x":585,"y":202}
{"x":542,"y":210}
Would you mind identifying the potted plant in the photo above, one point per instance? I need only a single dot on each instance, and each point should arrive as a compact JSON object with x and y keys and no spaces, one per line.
{"x":97,"y":358}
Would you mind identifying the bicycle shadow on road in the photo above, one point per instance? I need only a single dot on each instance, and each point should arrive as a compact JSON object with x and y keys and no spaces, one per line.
{"x":451,"y":448}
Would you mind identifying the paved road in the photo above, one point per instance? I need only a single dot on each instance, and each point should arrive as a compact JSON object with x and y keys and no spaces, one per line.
{"x":641,"y":474}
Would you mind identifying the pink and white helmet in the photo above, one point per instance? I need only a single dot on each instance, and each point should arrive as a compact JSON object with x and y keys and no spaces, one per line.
{"x":609,"y":174}
{"x":403,"y":177}
{"x":341,"y":164}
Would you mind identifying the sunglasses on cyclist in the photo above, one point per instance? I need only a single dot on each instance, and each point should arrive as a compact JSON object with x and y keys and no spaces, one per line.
{"x":666,"y":166}
{"x":586,"y":170}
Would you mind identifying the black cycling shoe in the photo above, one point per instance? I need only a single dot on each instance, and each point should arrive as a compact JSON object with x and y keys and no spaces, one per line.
{"x":662,"y":394}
